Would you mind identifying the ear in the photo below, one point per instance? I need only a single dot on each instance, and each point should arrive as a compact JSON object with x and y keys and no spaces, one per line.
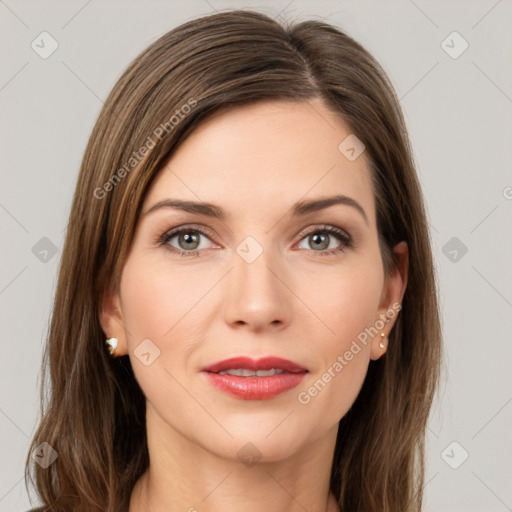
{"x":111,"y":320}
{"x":391,"y":299}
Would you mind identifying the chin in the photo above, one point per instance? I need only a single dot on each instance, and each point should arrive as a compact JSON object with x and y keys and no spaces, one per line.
{"x":264,"y":438}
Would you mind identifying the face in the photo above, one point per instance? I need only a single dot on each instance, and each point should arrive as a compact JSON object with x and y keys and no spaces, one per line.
{"x":263,"y":277}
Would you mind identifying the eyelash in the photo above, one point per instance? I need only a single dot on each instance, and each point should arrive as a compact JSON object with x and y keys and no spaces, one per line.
{"x":339,"y":234}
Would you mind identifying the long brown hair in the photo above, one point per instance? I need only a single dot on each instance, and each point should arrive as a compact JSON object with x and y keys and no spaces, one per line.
{"x":92,"y":408}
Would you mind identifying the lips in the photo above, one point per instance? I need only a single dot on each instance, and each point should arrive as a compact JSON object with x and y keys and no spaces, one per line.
{"x":252,"y":380}
{"x":265,"y":363}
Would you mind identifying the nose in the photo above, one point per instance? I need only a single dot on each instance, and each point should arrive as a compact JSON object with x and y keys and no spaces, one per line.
{"x":258,"y":294}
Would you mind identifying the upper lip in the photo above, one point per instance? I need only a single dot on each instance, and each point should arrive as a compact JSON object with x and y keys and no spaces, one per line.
{"x":264,"y":363}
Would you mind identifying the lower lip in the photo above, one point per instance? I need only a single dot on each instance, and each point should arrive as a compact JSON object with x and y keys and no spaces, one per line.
{"x":255,"y":388}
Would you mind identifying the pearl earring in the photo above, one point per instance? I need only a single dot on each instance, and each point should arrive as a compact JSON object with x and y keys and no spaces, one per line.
{"x":381,"y":344}
{"x":112,"y":345}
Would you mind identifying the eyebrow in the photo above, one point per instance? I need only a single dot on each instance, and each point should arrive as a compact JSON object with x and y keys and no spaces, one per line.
{"x":299,"y":209}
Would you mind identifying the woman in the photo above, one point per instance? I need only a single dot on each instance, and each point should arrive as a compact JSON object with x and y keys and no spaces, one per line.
{"x":248,"y":235}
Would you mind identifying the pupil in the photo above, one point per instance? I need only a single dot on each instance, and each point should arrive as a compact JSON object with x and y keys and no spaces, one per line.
{"x":318,"y":237}
{"x":188,"y":238}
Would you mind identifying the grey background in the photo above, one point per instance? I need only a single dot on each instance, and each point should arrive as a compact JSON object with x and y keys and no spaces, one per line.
{"x":458,"y":114}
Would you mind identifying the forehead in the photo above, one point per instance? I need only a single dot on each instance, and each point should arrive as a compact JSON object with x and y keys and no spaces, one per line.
{"x":266,"y":155}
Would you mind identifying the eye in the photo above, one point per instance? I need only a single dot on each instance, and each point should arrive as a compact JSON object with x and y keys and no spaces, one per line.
{"x":188,"y":240}
{"x":320,"y":239}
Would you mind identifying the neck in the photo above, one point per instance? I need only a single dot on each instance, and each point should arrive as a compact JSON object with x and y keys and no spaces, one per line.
{"x":147,"y":496}
{"x":183,"y":476}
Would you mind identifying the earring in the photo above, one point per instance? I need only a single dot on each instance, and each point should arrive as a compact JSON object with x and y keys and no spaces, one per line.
{"x":383,"y":337}
{"x":112,"y":345}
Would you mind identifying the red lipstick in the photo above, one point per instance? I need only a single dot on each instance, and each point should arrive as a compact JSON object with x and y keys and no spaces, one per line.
{"x":255,"y":379}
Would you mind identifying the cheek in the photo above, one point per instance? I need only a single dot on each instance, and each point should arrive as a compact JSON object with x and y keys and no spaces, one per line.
{"x":346,"y":300}
{"x":157,"y":301}
{"x":165,"y":302}
{"x":163,"y":305}
{"x":347,"y":304}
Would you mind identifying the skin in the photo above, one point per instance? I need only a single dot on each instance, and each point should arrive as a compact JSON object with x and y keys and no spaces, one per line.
{"x":254,"y":162}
